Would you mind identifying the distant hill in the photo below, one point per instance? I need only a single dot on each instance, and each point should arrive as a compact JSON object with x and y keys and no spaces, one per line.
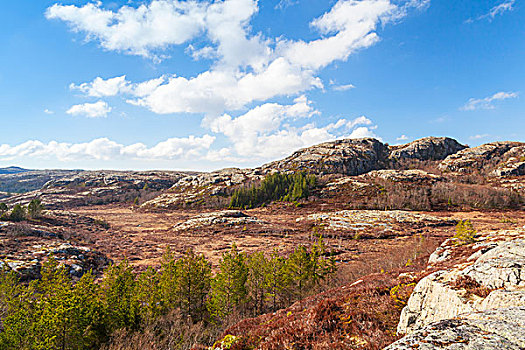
{"x":13,"y":170}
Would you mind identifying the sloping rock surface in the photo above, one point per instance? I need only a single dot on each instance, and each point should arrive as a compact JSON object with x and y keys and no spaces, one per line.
{"x":98,"y":187}
{"x":428,"y":148}
{"x":488,"y":312}
{"x":496,"y":158}
{"x":224,"y":217}
{"x":348,"y":157}
{"x":490,"y":330}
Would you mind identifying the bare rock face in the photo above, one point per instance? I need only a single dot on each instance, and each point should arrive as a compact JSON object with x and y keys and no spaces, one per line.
{"x":502,"y":328}
{"x":202,"y":189}
{"x":412,"y":175}
{"x":224,"y":218}
{"x":435,"y":297}
{"x":428,"y":148}
{"x":347,"y":157}
{"x":478,"y":304}
{"x":98,"y":187}
{"x":496,"y":158}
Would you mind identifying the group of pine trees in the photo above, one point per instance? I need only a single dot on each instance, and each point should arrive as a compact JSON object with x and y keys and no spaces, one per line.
{"x":19,"y":213}
{"x":58,"y":313}
{"x":286,"y":187}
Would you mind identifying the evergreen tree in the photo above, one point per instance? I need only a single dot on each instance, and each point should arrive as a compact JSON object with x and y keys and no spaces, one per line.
{"x":3,"y":209}
{"x":229,"y":285}
{"x":121,"y":306}
{"x":149,"y":294}
{"x":193,"y":284}
{"x":35,"y":208}
{"x":298,"y":273}
{"x":258,"y":270}
{"x":276,"y":281}
{"x":18,"y":213}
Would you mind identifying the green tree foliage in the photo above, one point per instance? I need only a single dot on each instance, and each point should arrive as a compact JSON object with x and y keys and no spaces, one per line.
{"x":229,"y":285}
{"x":257,"y":282}
{"x":276,"y":281}
{"x":56,"y":312}
{"x":3,"y":209}
{"x":35,"y":208}
{"x":121,"y":306}
{"x":306,"y":268}
{"x":287,"y":187}
{"x":52,"y":313}
{"x":193,"y":284}
{"x":18,"y":213}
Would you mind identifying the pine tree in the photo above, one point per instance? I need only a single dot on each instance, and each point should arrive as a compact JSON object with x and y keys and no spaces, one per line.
{"x":276,"y":281}
{"x":149,"y":295}
{"x":298,"y":272}
{"x":18,"y":213}
{"x":258,"y":270}
{"x":3,"y":209}
{"x":193,"y":284}
{"x":229,"y":285}
{"x":121,"y":306}
{"x":35,"y":208}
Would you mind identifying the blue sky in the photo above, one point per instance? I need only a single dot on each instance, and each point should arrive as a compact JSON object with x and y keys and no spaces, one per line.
{"x":202,"y":85}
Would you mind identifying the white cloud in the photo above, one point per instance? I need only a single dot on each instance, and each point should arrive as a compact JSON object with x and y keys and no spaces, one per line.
{"x":402,"y":138}
{"x":265,"y":132}
{"x":505,"y":6}
{"x":487,"y":102}
{"x":48,"y":111}
{"x":98,"y":109}
{"x":479,"y":136}
{"x":137,"y":31}
{"x":103,"y":88}
{"x":344,"y":87}
{"x":246,"y":67}
{"x":104,"y":149}
{"x":283,"y":4}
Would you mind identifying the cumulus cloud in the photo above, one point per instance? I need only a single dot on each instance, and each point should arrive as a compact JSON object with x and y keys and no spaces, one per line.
{"x":137,"y":31}
{"x":402,"y":138}
{"x":48,"y":111}
{"x":487,"y":102}
{"x":103,"y":88}
{"x":247,"y":67}
{"x":265,"y":132}
{"x":105,"y":149}
{"x":98,"y":109}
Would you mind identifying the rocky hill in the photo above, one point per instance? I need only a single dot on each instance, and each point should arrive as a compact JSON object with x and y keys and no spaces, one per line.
{"x":496,"y":159}
{"x":429,"y":148}
{"x":349,"y":157}
{"x":12,"y":170}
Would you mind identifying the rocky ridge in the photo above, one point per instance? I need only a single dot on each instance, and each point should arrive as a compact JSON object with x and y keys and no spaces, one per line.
{"x":429,"y":148}
{"x":98,"y":187}
{"x":496,"y":158}
{"x":348,"y":157}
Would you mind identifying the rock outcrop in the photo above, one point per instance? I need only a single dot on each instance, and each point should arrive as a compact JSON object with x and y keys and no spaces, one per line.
{"x":348,"y":157}
{"x":412,"y":175}
{"x":97,"y":187}
{"x":496,"y":158}
{"x":428,"y":148}
{"x":223,"y":218}
{"x":375,"y":223}
{"x":478,"y":304}
{"x":502,"y":328}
